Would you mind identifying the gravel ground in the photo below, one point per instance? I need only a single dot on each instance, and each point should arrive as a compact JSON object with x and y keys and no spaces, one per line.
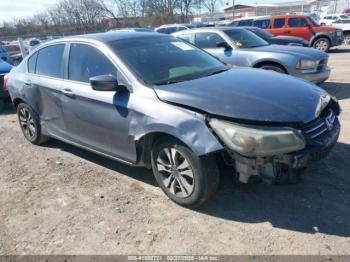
{"x":58,"y":199}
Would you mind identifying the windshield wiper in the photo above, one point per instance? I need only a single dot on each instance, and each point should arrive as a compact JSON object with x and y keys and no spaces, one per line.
{"x":167,"y":82}
{"x":218,"y":72}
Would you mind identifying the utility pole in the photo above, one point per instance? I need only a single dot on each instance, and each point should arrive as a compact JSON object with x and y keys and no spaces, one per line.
{"x":233,"y":9}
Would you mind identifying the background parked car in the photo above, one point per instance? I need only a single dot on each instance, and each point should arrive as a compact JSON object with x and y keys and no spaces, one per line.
{"x":4,"y":55}
{"x":329,"y":19}
{"x":240,"y":47}
{"x":169,"y":29}
{"x":132,"y":29}
{"x":277,"y":40}
{"x":5,"y":68}
{"x":344,"y":24}
{"x":320,"y":37}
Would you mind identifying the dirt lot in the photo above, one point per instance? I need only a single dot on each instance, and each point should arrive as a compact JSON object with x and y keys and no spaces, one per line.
{"x":59,"y":199}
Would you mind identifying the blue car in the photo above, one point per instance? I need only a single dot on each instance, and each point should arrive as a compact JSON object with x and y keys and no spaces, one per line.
{"x":5,"y":68}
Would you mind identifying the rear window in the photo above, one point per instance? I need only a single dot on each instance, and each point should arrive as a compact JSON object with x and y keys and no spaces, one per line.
{"x":265,"y":23}
{"x":49,"y":61}
{"x":278,"y":23}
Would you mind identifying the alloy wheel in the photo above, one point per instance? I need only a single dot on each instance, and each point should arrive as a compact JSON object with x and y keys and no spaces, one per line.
{"x":27,"y":123}
{"x":176,"y":172}
{"x":322,"y":45}
{"x":347,"y":39}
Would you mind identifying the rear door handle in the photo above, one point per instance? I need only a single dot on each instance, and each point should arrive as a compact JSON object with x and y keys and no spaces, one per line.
{"x":68,"y":92}
{"x":287,"y":32}
{"x":27,"y":82}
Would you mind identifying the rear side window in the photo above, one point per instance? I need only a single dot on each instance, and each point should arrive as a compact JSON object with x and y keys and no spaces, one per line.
{"x":208,"y":40}
{"x":297,"y":22}
{"x":49,"y":61}
{"x":171,"y":30}
{"x":162,"y":30}
{"x":278,"y":23}
{"x":32,"y":63}
{"x":248,"y":22}
{"x":265,"y":23}
{"x":86,"y":61}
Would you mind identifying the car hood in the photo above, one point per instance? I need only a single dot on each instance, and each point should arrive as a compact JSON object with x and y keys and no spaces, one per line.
{"x":299,"y":51}
{"x":248,"y":94}
{"x":4,"y":67}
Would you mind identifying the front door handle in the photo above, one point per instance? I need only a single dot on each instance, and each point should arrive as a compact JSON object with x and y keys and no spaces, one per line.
{"x":27,"y":82}
{"x":68,"y":92}
{"x":287,"y":32}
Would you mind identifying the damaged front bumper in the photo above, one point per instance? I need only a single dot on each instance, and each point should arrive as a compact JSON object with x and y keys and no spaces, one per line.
{"x":287,"y":168}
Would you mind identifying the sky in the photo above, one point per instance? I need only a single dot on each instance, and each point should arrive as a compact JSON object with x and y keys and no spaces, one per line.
{"x":11,"y":9}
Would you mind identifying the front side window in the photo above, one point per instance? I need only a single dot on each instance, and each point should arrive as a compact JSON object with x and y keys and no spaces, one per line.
{"x":208,"y":40}
{"x":245,"y":38}
{"x":164,"y":60}
{"x":32,"y":63}
{"x":86,"y":61}
{"x":278,"y":23}
{"x":297,"y":22}
{"x":49,"y":61}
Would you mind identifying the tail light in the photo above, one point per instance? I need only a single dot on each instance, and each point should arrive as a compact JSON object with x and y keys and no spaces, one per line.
{"x":4,"y":82}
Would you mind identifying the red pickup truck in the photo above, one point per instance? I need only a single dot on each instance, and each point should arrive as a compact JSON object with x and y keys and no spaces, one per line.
{"x":319,"y":37}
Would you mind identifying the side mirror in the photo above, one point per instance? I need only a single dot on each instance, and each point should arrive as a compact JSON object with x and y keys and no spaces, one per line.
{"x":224,"y":45}
{"x":104,"y":83}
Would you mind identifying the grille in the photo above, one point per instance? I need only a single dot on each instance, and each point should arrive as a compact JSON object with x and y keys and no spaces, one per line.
{"x":320,"y":126}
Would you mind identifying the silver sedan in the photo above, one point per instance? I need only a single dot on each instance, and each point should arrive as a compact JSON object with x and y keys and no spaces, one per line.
{"x":239,"y":47}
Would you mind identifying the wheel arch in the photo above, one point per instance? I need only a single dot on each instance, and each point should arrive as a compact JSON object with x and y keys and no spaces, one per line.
{"x":318,"y":36}
{"x":270,"y":62}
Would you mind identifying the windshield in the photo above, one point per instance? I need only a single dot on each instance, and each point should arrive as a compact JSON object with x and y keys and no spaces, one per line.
{"x":313,"y":21}
{"x":245,"y":39}
{"x":164,"y":60}
{"x":261,"y":33}
{"x":344,"y":17}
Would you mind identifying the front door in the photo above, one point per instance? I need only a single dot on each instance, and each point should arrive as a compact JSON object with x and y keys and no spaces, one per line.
{"x":98,"y":120}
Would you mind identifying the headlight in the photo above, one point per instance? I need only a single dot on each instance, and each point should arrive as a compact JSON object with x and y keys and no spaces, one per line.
{"x":256,"y":140}
{"x":306,"y":64}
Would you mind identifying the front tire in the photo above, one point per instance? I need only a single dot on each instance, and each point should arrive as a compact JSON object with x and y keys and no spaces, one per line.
{"x":273,"y":67}
{"x":185,"y":178}
{"x":29,"y":122}
{"x":322,"y":44}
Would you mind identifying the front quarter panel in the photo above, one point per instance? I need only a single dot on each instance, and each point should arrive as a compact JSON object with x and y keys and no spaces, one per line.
{"x":154,"y":116}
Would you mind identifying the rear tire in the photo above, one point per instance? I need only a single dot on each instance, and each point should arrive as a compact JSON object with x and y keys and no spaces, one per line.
{"x":29,"y":122}
{"x":273,"y":67}
{"x":322,"y":44}
{"x":185,"y":178}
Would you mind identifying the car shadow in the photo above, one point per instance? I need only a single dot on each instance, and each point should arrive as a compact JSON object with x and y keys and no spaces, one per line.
{"x":340,"y":90}
{"x":8,"y":109}
{"x":320,"y":203}
{"x":342,"y":49}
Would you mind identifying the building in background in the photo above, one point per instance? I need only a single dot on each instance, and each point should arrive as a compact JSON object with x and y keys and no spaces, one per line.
{"x":318,"y":7}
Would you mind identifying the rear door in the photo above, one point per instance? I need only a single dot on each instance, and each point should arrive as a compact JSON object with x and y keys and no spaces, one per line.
{"x":277,"y":26}
{"x":44,"y":81}
{"x":299,"y":27}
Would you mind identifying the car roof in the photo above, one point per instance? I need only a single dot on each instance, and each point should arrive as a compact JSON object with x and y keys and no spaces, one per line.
{"x":108,"y":36}
{"x":252,"y":18}
{"x":209,"y":29}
